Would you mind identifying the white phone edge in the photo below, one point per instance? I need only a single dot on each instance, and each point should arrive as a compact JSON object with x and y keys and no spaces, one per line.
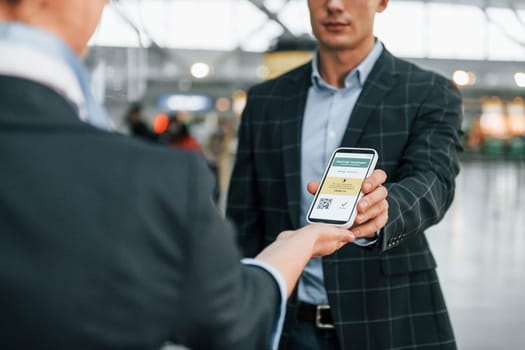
{"x":350,"y":222}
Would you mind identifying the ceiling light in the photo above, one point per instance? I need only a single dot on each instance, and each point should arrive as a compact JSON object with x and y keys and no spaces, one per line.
{"x":519,"y":78}
{"x":200,"y":70}
{"x":463,"y":78}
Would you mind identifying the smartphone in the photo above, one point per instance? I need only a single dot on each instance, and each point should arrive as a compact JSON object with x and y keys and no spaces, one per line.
{"x":336,"y":199}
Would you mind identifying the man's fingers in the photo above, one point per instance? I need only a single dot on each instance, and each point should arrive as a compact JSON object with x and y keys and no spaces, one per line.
{"x":371,"y":212}
{"x":372,"y":198}
{"x":370,"y":228}
{"x":312,"y":186}
{"x":377,"y":178}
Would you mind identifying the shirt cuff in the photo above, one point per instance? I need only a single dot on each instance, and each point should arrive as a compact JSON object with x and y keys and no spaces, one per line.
{"x":279,"y":319}
{"x":365,"y":241}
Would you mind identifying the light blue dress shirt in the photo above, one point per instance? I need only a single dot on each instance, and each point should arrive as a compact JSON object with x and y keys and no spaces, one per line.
{"x":326,"y":117}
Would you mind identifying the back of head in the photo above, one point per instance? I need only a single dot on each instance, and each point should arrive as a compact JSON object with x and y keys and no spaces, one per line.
{"x":59,"y":17}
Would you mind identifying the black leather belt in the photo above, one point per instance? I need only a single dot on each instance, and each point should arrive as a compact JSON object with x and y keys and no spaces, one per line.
{"x":319,"y":315}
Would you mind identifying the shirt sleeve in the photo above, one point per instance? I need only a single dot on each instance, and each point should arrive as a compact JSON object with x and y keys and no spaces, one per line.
{"x":279,"y":319}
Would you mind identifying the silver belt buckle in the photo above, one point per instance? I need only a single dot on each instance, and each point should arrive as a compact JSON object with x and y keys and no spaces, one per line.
{"x":318,"y":315}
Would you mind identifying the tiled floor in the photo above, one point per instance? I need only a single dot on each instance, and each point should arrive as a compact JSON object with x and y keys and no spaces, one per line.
{"x":480,"y":250}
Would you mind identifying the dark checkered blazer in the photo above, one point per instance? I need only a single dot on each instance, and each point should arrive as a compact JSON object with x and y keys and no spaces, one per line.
{"x":387,"y":296}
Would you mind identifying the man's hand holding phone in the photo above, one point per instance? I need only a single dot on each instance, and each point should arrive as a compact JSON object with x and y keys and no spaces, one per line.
{"x":372,"y":208}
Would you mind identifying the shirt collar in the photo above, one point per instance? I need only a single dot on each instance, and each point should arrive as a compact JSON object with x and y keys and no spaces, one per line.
{"x":357,"y":75}
{"x":35,"y":44}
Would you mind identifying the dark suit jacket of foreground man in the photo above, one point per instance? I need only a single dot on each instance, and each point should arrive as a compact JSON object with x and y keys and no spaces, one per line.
{"x":387,"y":296}
{"x":110,"y":243}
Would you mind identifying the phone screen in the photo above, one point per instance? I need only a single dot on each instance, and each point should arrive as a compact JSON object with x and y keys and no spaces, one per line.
{"x":340,"y":188}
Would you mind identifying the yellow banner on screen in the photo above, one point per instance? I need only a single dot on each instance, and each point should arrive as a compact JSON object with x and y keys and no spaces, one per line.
{"x":342,"y":186}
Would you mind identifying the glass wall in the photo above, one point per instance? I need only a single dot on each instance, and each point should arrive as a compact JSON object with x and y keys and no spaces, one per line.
{"x":433,"y":30}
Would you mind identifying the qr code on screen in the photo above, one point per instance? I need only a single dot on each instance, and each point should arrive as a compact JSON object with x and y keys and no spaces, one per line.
{"x":324,"y":203}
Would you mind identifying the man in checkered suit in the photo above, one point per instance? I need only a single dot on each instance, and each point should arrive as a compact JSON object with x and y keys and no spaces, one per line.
{"x":383,"y":291}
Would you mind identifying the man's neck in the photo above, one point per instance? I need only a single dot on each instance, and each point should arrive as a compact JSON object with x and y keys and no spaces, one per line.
{"x":334,"y":65}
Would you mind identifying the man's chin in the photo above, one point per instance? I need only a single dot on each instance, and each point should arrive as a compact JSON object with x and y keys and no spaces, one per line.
{"x":338,"y":45}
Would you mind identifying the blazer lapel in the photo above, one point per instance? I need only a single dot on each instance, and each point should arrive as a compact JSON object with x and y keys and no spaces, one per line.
{"x":291,"y":129}
{"x":377,"y":85}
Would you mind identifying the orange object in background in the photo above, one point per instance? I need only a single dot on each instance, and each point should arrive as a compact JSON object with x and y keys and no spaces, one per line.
{"x":493,"y":120}
{"x":516,"y":117}
{"x":160,"y":123}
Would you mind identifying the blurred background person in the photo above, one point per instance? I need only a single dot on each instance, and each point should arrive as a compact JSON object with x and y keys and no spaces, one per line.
{"x":135,"y":120}
{"x":178,"y":135}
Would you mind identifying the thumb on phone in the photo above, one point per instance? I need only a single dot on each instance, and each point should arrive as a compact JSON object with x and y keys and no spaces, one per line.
{"x":312,"y":186}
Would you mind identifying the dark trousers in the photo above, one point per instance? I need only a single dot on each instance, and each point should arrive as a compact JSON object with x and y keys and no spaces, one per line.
{"x":306,"y":336}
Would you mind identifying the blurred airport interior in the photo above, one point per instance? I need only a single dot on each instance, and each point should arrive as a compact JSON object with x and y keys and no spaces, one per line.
{"x":190,"y":63}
